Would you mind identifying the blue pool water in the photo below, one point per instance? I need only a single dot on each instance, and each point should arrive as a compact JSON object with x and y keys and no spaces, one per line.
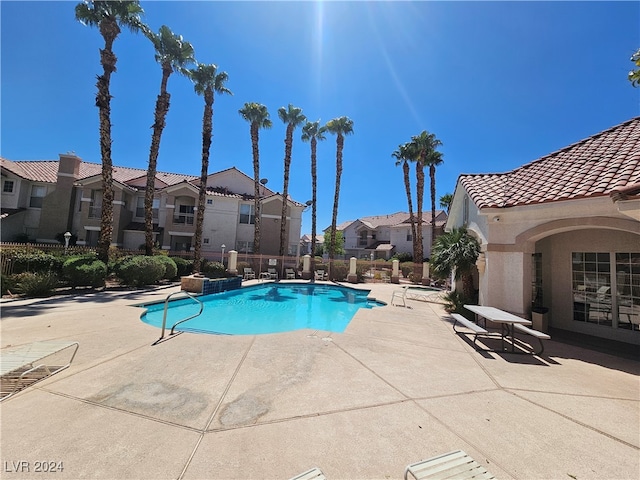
{"x":266,"y":308}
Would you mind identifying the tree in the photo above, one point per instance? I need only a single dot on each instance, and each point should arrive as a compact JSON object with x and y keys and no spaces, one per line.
{"x":340,"y":127}
{"x":206,"y":82}
{"x":634,"y":75}
{"x":423,"y":147}
{"x":339,"y":244}
{"x":173,"y":54}
{"x":445,"y":201}
{"x":403,"y":155}
{"x":292,"y":117}
{"x":456,"y":251}
{"x":108,"y":16}
{"x":312,"y":132}
{"x":258,"y":117}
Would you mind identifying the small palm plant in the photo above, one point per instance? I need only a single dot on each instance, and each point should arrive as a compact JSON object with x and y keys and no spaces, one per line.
{"x":456,"y":251}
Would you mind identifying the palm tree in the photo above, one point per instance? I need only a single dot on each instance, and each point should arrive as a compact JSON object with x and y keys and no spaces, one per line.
{"x":258,"y":117}
{"x":206,"y":82}
{"x":312,"y":132}
{"x":108,"y":17}
{"x":340,"y":127}
{"x":403,"y":155}
{"x":292,"y":117}
{"x":445,"y":201}
{"x":423,"y":147}
{"x":456,"y":251}
{"x":634,"y":75}
{"x":173,"y":54}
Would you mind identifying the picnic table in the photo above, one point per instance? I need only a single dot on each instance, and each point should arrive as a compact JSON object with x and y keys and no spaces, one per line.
{"x":506,"y":320}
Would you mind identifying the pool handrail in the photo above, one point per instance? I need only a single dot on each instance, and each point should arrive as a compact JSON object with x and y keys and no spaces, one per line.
{"x":166,"y":306}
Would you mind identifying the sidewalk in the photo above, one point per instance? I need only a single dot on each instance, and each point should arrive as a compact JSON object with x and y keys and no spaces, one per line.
{"x":397,"y":387}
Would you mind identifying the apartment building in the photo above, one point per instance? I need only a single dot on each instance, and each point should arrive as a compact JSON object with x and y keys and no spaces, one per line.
{"x":43,"y":199}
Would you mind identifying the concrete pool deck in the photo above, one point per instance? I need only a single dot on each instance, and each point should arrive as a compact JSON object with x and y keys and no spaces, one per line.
{"x":396,"y":387}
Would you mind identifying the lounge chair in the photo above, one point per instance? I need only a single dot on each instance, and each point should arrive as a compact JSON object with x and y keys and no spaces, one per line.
{"x":273,"y":273}
{"x":400,"y":294}
{"x":290,"y":273}
{"x":455,"y":464}
{"x":320,"y":275}
{"x":313,"y":474}
{"x":28,"y":364}
{"x":249,"y":274}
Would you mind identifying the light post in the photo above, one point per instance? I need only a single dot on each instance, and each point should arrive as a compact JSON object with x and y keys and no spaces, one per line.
{"x":67,"y":237}
{"x":372,"y":271}
{"x":223,"y":246}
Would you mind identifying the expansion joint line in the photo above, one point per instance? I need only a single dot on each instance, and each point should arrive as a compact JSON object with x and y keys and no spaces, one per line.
{"x":215,"y":410}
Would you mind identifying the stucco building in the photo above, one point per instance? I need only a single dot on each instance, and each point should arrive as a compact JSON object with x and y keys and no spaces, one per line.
{"x":43,"y":199}
{"x":562,"y":232}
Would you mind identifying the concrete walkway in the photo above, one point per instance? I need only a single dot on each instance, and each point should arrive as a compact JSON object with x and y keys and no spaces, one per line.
{"x":397,"y":387}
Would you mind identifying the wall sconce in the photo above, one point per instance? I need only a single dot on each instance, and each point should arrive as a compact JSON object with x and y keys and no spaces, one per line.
{"x":481,"y":263}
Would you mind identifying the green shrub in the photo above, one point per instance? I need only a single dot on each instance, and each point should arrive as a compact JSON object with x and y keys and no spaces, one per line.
{"x":36,"y":262}
{"x":455,"y":301}
{"x":406,"y":268}
{"x":214,"y":269}
{"x":85,"y":270}
{"x":8,"y":284}
{"x":403,"y":257}
{"x":36,"y":284}
{"x":139,"y":270}
{"x":170,"y":267}
{"x":339,"y":271}
{"x":185,"y":267}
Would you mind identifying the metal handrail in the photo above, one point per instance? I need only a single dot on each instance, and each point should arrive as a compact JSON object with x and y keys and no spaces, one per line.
{"x":166,"y":306}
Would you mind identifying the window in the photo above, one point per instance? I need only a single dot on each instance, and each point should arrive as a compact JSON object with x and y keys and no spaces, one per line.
{"x":154,"y":207}
{"x":247,"y":214}
{"x":244,"y":247}
{"x":409,"y":237}
{"x":95,"y":207}
{"x":465,"y":210}
{"x":7,"y":187}
{"x":209,"y":201}
{"x":606,"y":289}
{"x":37,"y":194}
{"x":205,"y":240}
{"x":628,"y":290}
{"x":362,"y":241}
{"x":185,"y":215}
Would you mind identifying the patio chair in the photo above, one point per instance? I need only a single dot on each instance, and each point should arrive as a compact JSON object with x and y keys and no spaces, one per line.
{"x":313,"y":474}
{"x":401,"y":294}
{"x":320,"y":275}
{"x":290,"y":273}
{"x":455,"y":464}
{"x":249,"y":274}
{"x":28,"y":364}
{"x":273,"y":273}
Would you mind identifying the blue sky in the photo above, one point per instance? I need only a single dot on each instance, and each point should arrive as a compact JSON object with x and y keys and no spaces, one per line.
{"x":499,"y":83}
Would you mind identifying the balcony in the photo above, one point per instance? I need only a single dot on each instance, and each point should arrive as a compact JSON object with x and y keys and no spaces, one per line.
{"x":95,"y":211}
{"x":183,"y":219}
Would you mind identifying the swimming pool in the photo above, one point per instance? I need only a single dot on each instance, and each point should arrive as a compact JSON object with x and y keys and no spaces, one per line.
{"x":266,"y":308}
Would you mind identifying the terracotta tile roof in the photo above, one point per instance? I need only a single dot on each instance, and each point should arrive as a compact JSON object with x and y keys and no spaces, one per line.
{"x":47,"y":171}
{"x":593,"y":167}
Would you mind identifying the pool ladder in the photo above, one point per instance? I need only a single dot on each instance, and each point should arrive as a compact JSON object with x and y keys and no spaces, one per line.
{"x":166,"y":306}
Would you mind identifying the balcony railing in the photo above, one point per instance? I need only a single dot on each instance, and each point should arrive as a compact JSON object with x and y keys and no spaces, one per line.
{"x":95,"y":211}
{"x":184,"y":219}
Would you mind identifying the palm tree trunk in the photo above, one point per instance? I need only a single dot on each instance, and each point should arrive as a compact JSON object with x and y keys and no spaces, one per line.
{"x":109,"y":30}
{"x":288,"y":143}
{"x":432,"y":177}
{"x":162,"y":107}
{"x":407,"y":186}
{"x":314,"y":186}
{"x":207,"y":128}
{"x":256,"y":189}
{"x":334,"y":218}
{"x":420,"y":194}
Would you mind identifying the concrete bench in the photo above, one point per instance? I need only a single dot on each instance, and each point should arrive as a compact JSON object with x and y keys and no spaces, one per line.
{"x":455,"y":464}
{"x":477,"y":329}
{"x":534,"y":333}
{"x":25,"y":365}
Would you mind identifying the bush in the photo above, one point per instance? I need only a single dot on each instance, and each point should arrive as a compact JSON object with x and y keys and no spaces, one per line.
{"x":139,"y":270}
{"x":35,"y":262}
{"x":7,"y":284}
{"x":85,"y":270}
{"x":339,"y":271}
{"x":406,"y":268}
{"x":36,"y":284}
{"x":403,"y":257}
{"x":454,"y":303}
{"x":170,"y":267}
{"x":214,"y":269}
{"x":185,"y":267}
